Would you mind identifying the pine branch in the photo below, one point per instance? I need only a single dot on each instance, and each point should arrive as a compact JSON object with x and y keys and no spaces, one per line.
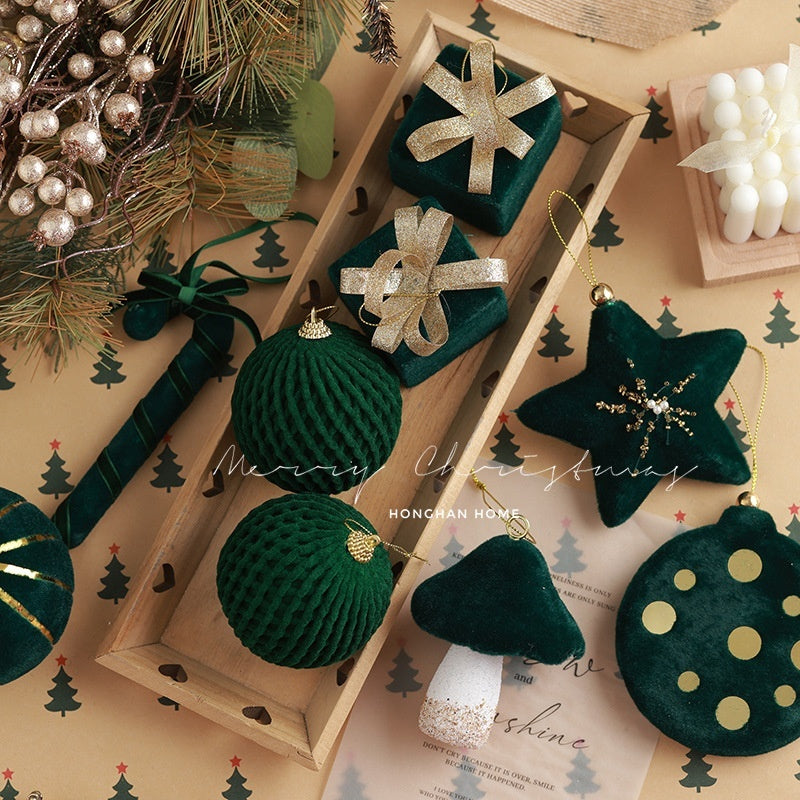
{"x":378,"y":24}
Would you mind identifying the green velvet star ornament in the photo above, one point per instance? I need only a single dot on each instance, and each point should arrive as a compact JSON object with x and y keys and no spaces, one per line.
{"x":643,"y":408}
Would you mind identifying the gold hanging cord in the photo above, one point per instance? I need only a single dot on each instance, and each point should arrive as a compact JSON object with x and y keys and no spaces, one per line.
{"x":517,"y":526}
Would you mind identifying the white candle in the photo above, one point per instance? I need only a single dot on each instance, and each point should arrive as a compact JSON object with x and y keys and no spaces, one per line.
{"x":788,"y":104}
{"x":791,"y":160}
{"x":750,"y":81}
{"x":768,"y":165}
{"x":725,"y":196}
{"x":740,"y":173}
{"x":775,"y":77}
{"x":754,"y":108}
{"x":791,"y":214}
{"x":771,"y":203}
{"x":720,"y":87}
{"x":727,"y":115}
{"x":741,"y":215}
{"x":791,"y":138}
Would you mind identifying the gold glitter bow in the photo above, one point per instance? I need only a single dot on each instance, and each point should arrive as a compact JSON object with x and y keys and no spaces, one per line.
{"x":412,"y":291}
{"x":485,"y":116}
{"x":722,"y":153}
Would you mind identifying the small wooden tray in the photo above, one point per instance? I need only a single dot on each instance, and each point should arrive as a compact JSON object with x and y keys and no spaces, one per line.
{"x":171,"y":635}
{"x":722,"y":261}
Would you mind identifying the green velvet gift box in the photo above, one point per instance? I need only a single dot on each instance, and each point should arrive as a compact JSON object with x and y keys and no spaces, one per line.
{"x":446,"y":176}
{"x":471,"y":314}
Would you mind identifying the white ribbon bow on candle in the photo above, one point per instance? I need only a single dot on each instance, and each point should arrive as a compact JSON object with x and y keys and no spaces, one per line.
{"x":721,"y":154}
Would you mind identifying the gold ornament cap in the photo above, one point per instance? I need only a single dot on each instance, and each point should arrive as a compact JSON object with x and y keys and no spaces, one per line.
{"x":361,"y":545}
{"x":314,"y":328}
{"x":601,"y":294}
{"x":748,"y":499}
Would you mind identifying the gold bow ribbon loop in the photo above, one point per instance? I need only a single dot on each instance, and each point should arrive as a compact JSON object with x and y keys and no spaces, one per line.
{"x":485,"y":116}
{"x":722,"y":153}
{"x":409,"y":296}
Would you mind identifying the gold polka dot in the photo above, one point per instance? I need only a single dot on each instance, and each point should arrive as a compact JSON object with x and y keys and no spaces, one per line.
{"x":791,"y":605}
{"x":744,"y":566}
{"x":684,"y":579}
{"x":785,"y":696}
{"x":796,"y":654}
{"x":744,"y":643}
{"x":688,"y":681}
{"x":733,"y":713}
{"x":659,"y":617}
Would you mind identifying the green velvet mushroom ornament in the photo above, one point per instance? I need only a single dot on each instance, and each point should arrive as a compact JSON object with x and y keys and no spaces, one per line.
{"x":496,"y":601}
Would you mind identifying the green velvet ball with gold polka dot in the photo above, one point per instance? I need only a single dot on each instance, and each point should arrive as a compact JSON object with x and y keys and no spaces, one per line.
{"x":708,"y":636}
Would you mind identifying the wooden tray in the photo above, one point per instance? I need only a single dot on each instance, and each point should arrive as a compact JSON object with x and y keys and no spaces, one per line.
{"x":171,"y":635}
{"x":722,"y":261}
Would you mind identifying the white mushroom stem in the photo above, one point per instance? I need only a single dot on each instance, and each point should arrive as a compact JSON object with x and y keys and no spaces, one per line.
{"x":461,"y":702}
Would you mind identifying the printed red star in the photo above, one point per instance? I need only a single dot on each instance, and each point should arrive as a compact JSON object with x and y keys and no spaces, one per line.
{"x":122,"y":768}
{"x":503,"y":418}
{"x":555,"y":310}
{"x":794,"y":508}
{"x":665,"y":301}
{"x":778,"y":294}
{"x":8,"y":774}
{"x":55,"y":444}
{"x":651,"y":90}
{"x":113,"y":549}
{"x":680,"y":516}
{"x":729,"y":404}
{"x":167,"y":438}
{"x":61,"y":660}
{"x":566,"y":522}
{"x":235,"y":761}
{"x":452,"y":528}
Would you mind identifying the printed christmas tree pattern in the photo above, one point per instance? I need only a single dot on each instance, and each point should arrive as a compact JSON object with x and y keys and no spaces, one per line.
{"x":269,"y":251}
{"x":63,"y":693}
{"x":236,"y":783}
{"x":8,"y":792}
{"x":696,"y":770}
{"x":226,"y":369}
{"x":351,"y":788}
{"x":168,"y":471}
{"x":780,"y":326}
{"x":363,"y":45}
{"x":554,"y":341}
{"x":452,"y":550}
{"x":158,"y":258}
{"x":667,"y":329}
{"x":122,"y":788}
{"x":403,"y":674}
{"x":797,"y":774}
{"x":505,"y":450}
{"x":793,"y":527}
{"x":107,"y":368}
{"x":712,"y":25}
{"x":568,"y":556}
{"x":580,"y":776}
{"x":5,"y":383}
{"x":517,"y":672}
{"x":55,"y":479}
{"x":467,"y":785}
{"x":655,"y":128}
{"x":480,"y":21}
{"x":115,"y":580}
{"x":734,"y":426}
{"x":605,"y":231}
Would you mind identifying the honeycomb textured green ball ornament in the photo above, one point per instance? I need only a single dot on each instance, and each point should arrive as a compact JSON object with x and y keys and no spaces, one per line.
{"x":316,"y":415}
{"x":36,"y":581}
{"x":291,"y":590}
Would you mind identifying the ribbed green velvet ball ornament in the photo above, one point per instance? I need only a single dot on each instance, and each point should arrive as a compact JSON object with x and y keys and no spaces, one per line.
{"x":292,"y":590}
{"x":316,"y":414}
{"x":36,"y":583}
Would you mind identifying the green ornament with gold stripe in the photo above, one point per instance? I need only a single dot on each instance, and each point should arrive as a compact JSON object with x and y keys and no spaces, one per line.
{"x":36,"y":582}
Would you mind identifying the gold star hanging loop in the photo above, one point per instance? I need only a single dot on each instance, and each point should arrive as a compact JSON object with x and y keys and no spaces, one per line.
{"x":648,"y":409}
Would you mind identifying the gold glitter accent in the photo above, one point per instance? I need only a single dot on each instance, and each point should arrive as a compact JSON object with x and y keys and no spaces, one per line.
{"x":361,"y":546}
{"x":744,"y":643}
{"x":15,"y":605}
{"x":10,"y":507}
{"x":314,"y":328}
{"x":484,"y":116}
{"x":659,"y":617}
{"x":24,"y":572}
{"x":785,"y":696}
{"x":791,"y":605}
{"x":684,"y":579}
{"x":688,"y":681}
{"x":16,"y":544}
{"x":647,"y":409}
{"x":744,"y":565}
{"x":732,"y":713}
{"x":458,"y":725}
{"x":795,"y":654}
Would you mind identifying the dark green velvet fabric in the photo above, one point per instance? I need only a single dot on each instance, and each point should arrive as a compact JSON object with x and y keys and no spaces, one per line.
{"x":568,"y":409}
{"x":23,"y":644}
{"x":292,"y":592}
{"x":472,"y":314}
{"x":706,"y":614}
{"x":198,"y":360}
{"x":445,"y":177}
{"x":316,"y":415}
{"x":499,"y":600}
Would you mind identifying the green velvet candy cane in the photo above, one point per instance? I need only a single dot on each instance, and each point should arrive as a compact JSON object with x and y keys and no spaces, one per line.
{"x":146,"y":312}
